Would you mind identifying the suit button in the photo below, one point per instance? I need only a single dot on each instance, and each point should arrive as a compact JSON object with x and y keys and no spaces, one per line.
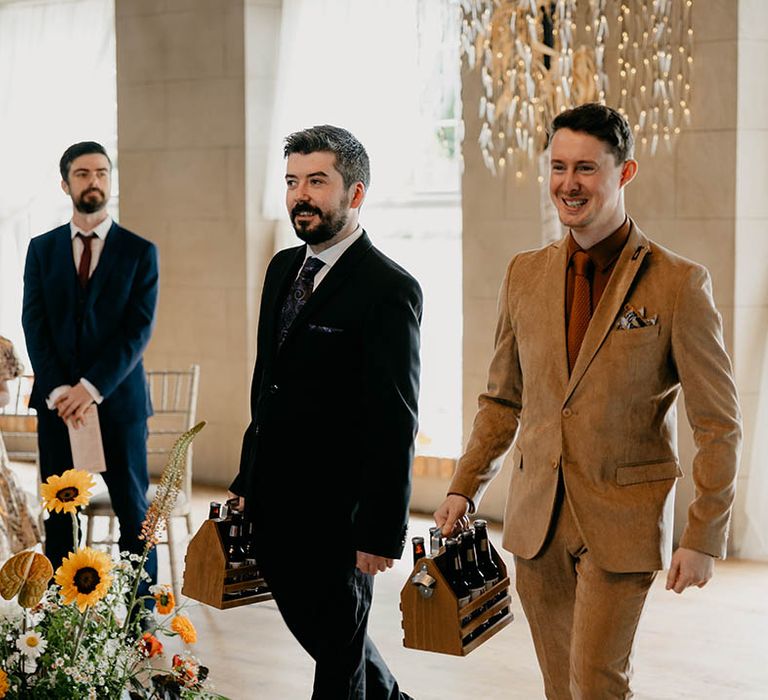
{"x":273,"y":388}
{"x":567,"y":412}
{"x":256,"y":430}
{"x":555,"y":464}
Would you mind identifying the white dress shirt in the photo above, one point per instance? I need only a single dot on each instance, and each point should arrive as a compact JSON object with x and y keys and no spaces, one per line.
{"x":330,"y":256}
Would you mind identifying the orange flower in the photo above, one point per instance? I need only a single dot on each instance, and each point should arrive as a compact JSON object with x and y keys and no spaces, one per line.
{"x":165,"y":599}
{"x":3,"y":683}
{"x":183,"y":626}
{"x":150,"y":645}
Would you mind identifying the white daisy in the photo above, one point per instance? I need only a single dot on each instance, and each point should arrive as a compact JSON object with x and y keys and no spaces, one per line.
{"x":31,"y":644}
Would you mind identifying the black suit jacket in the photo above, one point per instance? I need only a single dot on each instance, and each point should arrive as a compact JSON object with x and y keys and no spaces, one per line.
{"x":100,"y":333}
{"x":334,"y":409}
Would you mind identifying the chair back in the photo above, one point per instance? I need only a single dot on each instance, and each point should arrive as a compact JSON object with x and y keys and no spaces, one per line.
{"x":174,"y":399}
{"x":18,"y":422}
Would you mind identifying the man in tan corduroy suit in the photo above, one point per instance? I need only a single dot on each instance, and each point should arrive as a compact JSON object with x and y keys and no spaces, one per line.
{"x":596,"y":335}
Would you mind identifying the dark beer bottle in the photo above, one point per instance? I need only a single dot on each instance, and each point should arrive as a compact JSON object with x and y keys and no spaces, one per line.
{"x":235,"y":551}
{"x":418,"y":549}
{"x":455,"y":577}
{"x":249,"y":545}
{"x":485,"y":561}
{"x":472,"y":575}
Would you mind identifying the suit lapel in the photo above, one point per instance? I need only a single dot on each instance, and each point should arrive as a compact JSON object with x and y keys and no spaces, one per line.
{"x":629,"y":262}
{"x":555,"y":307}
{"x":64,"y":288}
{"x":331,"y":282}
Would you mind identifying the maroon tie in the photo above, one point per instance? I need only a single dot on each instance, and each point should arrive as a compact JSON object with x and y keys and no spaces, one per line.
{"x":581,"y":310}
{"x":84,"y":269}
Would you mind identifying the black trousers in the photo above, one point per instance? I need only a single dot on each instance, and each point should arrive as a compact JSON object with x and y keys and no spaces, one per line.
{"x":327,"y":610}
{"x":127,"y":479}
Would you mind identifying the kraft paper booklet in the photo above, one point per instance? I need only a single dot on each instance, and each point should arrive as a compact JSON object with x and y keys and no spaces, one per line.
{"x":85,"y":441}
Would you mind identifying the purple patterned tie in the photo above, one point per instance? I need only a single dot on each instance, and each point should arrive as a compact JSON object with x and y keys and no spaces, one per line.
{"x":300,"y":291}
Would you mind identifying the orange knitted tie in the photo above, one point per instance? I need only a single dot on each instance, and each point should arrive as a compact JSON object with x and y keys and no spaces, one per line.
{"x":581,"y":310}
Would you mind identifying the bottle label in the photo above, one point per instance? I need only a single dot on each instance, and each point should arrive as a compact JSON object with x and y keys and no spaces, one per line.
{"x":491,"y":583}
{"x":475,"y":593}
{"x":465,"y":601}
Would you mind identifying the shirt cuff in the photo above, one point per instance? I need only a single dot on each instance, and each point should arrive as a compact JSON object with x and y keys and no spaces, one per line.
{"x":58,"y":391}
{"x":92,"y":390}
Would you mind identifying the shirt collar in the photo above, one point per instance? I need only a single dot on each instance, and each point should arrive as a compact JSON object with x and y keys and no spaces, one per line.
{"x":604,"y":253}
{"x":331,"y":255}
{"x":100,"y":231}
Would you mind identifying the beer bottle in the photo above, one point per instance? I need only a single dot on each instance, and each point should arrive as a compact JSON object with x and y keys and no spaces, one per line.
{"x":484,"y":559}
{"x":235,"y":551}
{"x":249,"y":545}
{"x":455,"y":576}
{"x":472,"y":575}
{"x":418,"y":549}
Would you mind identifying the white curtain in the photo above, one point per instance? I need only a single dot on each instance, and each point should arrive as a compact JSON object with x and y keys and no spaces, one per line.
{"x":57,"y":87}
{"x":354,"y":65}
{"x":755,"y":541}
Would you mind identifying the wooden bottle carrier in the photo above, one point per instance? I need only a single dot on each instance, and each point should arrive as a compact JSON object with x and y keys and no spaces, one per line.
{"x":432,"y":619}
{"x":208,"y":579}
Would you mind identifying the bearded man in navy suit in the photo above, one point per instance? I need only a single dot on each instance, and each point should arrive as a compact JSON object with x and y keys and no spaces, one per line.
{"x":90,"y":295}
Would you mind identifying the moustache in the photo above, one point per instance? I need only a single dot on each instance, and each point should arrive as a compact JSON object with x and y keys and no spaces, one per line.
{"x":304,"y":209}
{"x":92,"y":190}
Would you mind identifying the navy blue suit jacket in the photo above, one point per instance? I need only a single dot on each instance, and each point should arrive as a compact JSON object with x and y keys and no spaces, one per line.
{"x":99,"y":333}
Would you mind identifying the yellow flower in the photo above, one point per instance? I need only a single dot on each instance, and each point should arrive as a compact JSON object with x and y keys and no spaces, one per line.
{"x":183,"y":626}
{"x":164,"y":599}
{"x":84,"y":577}
{"x":3,"y":683}
{"x":68,"y":491}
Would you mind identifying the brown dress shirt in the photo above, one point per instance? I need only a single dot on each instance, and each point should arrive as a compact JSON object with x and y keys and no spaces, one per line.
{"x":604,"y":256}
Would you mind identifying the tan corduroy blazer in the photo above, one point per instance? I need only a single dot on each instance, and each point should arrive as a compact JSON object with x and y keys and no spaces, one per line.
{"x":611,"y":426}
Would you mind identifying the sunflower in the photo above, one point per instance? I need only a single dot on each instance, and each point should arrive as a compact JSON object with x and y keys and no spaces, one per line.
{"x":3,"y":683}
{"x":183,"y":626}
{"x":164,"y":598}
{"x":84,"y":577}
{"x":68,"y":491}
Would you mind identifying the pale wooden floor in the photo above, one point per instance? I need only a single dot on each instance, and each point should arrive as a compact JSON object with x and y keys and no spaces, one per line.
{"x":710,"y":643}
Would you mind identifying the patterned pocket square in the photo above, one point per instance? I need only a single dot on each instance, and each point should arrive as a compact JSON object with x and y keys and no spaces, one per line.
{"x":635,"y":318}
{"x":324,"y":329}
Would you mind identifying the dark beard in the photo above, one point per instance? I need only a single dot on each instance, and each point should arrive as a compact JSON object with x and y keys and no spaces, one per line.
{"x":330,"y":223}
{"x":91,"y":204}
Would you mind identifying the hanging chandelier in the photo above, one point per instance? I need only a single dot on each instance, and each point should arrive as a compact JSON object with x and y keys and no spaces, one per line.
{"x":538,"y":58}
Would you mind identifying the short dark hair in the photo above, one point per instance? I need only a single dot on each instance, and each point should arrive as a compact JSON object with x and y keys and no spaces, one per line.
{"x":351,"y":157}
{"x":80,"y":149}
{"x":604,"y":123}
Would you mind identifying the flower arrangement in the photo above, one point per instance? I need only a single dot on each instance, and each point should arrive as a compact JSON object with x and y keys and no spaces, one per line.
{"x":88,"y":635}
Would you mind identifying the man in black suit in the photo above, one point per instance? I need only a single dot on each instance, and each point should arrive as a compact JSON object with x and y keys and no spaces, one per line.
{"x":326,"y":460}
{"x":90,"y":294}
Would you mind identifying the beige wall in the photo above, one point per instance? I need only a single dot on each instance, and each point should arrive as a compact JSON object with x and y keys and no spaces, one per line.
{"x":190,"y":171}
{"x":686,"y":200}
{"x":751,"y":261}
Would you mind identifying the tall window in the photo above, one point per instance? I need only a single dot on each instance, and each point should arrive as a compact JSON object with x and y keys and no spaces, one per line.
{"x":57,"y":82}
{"x":389,"y":72}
